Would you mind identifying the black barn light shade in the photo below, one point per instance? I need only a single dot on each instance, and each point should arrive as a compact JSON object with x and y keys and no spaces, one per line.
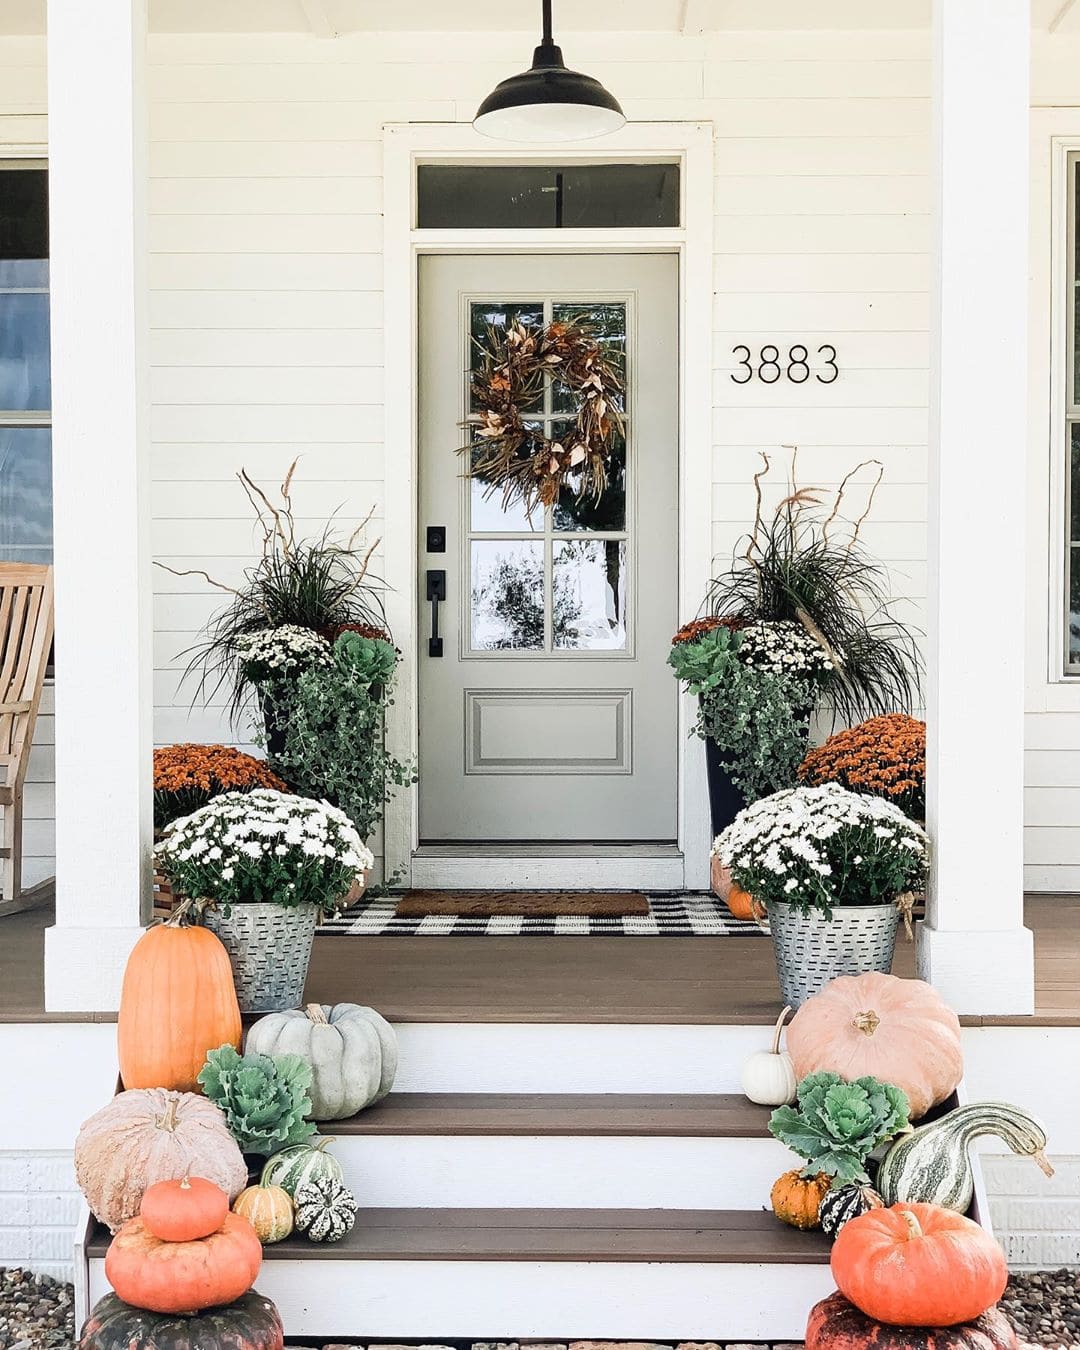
{"x":548,"y":102}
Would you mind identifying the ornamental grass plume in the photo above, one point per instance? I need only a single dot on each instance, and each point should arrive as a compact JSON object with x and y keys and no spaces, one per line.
{"x":188,"y":776}
{"x":884,"y":757}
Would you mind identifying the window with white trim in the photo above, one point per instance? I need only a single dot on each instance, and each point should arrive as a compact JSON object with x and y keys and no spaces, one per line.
{"x":25,"y":385}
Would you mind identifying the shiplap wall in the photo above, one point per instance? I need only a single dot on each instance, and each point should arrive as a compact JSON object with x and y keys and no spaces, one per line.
{"x":266,"y":241}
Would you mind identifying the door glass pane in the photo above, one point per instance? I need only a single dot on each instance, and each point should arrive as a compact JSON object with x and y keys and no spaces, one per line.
{"x":488,"y":514}
{"x":573,"y":513}
{"x":507,"y":593}
{"x":26,"y":494}
{"x":543,"y":196}
{"x":488,"y":314}
{"x":589,"y":593}
{"x":608,"y":323}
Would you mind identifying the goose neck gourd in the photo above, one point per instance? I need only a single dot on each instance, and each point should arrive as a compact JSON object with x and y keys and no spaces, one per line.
{"x":932,"y":1164}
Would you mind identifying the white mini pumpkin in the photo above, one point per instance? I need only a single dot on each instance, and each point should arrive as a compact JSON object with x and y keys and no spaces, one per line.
{"x":768,"y":1076}
{"x":352,"y":1052}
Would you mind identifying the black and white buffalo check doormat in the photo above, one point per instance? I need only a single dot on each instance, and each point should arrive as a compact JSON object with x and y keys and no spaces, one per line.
{"x":671,"y":914}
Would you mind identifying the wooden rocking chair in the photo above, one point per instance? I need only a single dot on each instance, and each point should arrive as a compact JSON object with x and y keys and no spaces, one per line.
{"x":26,"y":632}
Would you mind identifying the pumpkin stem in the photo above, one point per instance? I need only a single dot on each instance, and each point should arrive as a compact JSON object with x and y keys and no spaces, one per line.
{"x":1044,"y":1163}
{"x":866,"y":1022}
{"x":913,"y":1225}
{"x":779,"y":1030}
{"x":168,"y":1120}
{"x":316,"y":1014}
{"x":185,"y":1184}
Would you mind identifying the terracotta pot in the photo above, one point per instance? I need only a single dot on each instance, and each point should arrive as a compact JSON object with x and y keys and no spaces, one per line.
{"x":720,"y":878}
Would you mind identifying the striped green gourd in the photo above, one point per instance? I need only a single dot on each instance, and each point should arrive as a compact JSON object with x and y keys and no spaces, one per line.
{"x":931,"y":1165}
{"x":300,"y":1164}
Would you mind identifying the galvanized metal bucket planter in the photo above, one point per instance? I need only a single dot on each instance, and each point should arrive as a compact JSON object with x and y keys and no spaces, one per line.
{"x":269,"y":948}
{"x":811,"y":950}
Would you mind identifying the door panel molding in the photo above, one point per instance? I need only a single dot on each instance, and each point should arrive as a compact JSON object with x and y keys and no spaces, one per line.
{"x":404,"y":147}
{"x":491,"y":736}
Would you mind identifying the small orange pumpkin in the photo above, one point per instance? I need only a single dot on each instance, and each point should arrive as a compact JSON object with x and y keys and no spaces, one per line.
{"x":796,"y":1200}
{"x":177,"y":1002}
{"x":183,"y":1277}
{"x":184,"y":1210}
{"x":742,"y":904}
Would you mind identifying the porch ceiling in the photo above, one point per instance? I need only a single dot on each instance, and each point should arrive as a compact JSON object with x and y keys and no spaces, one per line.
{"x":328,"y":18}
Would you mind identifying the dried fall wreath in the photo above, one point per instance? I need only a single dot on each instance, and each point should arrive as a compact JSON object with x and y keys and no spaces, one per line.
{"x":513,"y":456}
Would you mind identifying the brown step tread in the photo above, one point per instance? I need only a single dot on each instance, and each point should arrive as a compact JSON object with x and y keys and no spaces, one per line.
{"x":751,"y":1237}
{"x":695,"y":1115}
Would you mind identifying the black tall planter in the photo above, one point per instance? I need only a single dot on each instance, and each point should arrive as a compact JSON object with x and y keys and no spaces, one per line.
{"x":275,"y":723}
{"x":725,"y":799}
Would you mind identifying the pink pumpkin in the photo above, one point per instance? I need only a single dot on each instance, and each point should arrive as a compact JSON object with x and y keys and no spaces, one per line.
{"x":899,"y":1031}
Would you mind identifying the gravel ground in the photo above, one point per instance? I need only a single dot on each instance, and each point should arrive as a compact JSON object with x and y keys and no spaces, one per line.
{"x":36,"y":1312}
{"x":1045,"y":1307}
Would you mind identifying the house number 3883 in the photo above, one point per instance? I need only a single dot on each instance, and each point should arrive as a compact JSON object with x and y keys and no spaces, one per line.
{"x":769,"y":364}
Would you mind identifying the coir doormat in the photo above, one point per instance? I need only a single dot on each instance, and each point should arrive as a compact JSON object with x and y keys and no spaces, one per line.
{"x":524,"y":904}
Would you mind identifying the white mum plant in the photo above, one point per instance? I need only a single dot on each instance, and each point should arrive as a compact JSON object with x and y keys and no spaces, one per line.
{"x":783,"y":647}
{"x":247,"y":847}
{"x":285,"y":651}
{"x":823,"y":847}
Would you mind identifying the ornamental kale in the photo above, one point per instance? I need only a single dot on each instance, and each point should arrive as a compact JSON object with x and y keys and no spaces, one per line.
{"x":369,"y":661}
{"x":265,"y":1098}
{"x":837,"y":1125}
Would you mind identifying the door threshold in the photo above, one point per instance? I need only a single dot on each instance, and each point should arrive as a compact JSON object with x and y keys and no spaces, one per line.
{"x":563,"y":866}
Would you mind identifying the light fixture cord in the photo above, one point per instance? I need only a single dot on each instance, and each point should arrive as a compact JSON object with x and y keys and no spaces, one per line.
{"x":548,"y":38}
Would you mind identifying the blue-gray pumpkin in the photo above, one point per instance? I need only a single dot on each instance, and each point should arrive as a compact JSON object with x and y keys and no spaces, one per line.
{"x":352,"y":1052}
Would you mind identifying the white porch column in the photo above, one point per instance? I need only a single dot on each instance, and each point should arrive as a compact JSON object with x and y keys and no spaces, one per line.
{"x":103,"y":707}
{"x":974,"y":946}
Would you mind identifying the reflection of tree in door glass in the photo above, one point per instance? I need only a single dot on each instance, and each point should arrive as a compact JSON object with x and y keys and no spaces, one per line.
{"x":589,"y":575}
{"x":508,"y":597}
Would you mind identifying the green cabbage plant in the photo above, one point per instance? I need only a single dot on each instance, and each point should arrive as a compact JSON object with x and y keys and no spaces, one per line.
{"x":369,"y":661}
{"x":837,"y":1125}
{"x":264,"y":1098}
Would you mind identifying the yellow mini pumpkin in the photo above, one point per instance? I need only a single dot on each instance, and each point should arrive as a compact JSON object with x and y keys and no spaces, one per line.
{"x":268,"y":1209}
{"x":796,"y":1200}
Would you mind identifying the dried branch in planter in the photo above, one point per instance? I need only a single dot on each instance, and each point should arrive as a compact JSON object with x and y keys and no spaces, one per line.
{"x":322,"y":584}
{"x":790,"y":568}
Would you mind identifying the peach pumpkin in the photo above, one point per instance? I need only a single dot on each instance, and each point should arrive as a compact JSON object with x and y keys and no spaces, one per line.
{"x":899,"y":1031}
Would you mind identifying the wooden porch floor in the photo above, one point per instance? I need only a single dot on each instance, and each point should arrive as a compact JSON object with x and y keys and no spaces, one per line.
{"x":566,"y":979}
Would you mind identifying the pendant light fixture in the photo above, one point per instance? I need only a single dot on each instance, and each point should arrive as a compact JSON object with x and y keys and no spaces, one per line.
{"x":548,"y":102}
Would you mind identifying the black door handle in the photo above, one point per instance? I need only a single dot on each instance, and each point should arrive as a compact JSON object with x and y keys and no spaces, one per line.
{"x":436,"y":592}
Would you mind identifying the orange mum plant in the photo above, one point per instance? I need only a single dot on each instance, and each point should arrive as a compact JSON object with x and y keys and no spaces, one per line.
{"x":884,"y":757}
{"x":188,"y":776}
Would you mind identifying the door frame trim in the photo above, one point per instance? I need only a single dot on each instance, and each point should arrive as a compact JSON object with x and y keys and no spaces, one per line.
{"x":407,"y":145}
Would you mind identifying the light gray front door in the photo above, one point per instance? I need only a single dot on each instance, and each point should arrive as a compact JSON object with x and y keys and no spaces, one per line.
{"x":551,"y":714}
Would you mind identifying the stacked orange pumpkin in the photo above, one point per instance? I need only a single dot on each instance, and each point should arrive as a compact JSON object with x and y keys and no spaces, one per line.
{"x":184,"y":1254}
{"x":913,"y":1277}
{"x":184,"y":1251}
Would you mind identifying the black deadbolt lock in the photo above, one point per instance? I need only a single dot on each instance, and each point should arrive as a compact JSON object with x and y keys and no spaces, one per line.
{"x":436,"y":538}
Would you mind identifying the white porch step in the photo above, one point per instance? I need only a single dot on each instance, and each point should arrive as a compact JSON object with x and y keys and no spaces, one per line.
{"x":575,"y":1056}
{"x":560,"y":1151}
{"x":558,"y":1274}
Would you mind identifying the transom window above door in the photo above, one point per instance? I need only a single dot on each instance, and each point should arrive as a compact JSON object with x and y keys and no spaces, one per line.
{"x":557,"y":580}
{"x":547,"y":196}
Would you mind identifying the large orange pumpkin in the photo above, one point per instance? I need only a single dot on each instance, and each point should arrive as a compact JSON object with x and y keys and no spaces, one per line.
{"x":918,"y":1266}
{"x":183,"y":1277}
{"x":178,"y":1001}
{"x":898,"y":1031}
{"x":836,"y":1324}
